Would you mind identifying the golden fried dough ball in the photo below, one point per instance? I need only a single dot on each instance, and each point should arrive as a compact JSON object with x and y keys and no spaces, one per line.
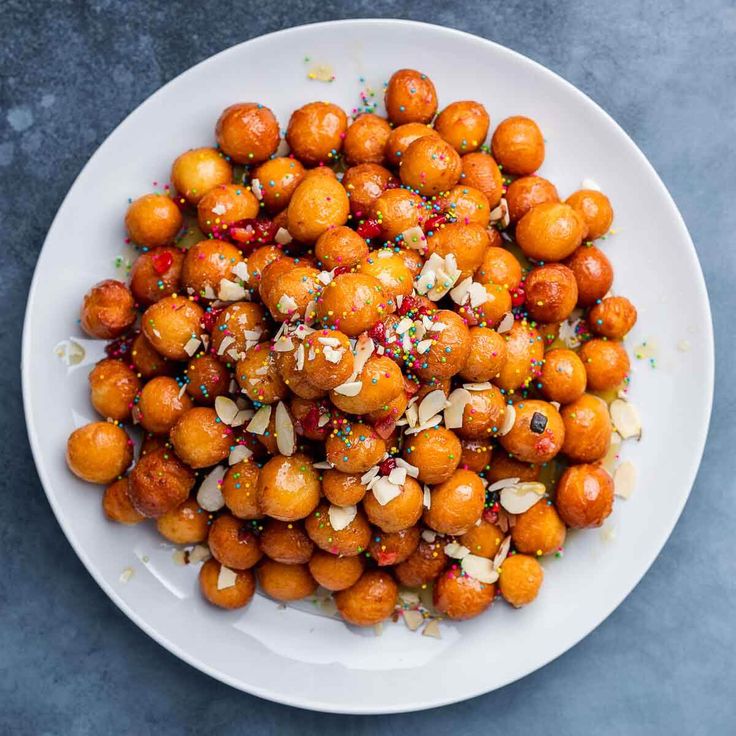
{"x":487,"y":355}
{"x":449,"y":350}
{"x":410,"y":97}
{"x":539,"y":530}
{"x":456,"y":504}
{"x":286,"y":542}
{"x":354,"y":448}
{"x":170,"y":324}
{"x":185,"y":524}
{"x":402,"y":137}
{"x":240,"y":490}
{"x":476,"y":455}
{"x":587,"y":429}
{"x":584,"y":496}
{"x":278,"y":178}
{"x":208,"y":379}
{"x":318,"y":203}
{"x":197,"y":171}
{"x":234,"y":596}
{"x":613,"y":317}
{"x":259,"y":260}
{"x":159,"y":482}
{"x":391,"y":411}
{"x":350,"y":541}
{"x":520,"y":579}
{"x":342,"y":489}
{"x":271,"y":272}
{"x":288,"y":487}
{"x":501,"y":267}
{"x":563,"y":376}
{"x":152,"y":220}
{"x":483,"y":415}
{"x":423,"y":565}
{"x":593,"y":274}
{"x":99,"y":452}
{"x":200,"y":439}
{"x":550,"y":231}
{"x":430,"y":165}
{"x":333,"y":572}
{"x":483,"y":540}
{"x":468,"y":205}
{"x":551,"y":292}
{"x":468,"y":243}
{"x":504,"y":466}
{"x":480,"y":171}
{"x":340,"y":246}
{"x":392,"y":548}
{"x":258,"y":376}
{"x":399,"y":513}
{"x":496,"y":306}
{"x":117,"y":505}
{"x":464,"y":125}
{"x":527,"y":192}
{"x":291,"y":291}
{"x":248,"y":132}
{"x":156,"y":274}
{"x":518,"y":145}
{"x":285,"y":582}
{"x":606,"y":364}
{"x":161,"y":404}
{"x":595,"y":209}
{"x":316,"y":132}
{"x":397,"y":210}
{"x":147,"y":361}
{"x":206,"y":264}
{"x":460,"y":597}
{"x":538,"y":432}
{"x":364,"y":184}
{"x":225,"y":205}
{"x":233,"y":543}
{"x":365,"y":140}
{"x":108,"y":310}
{"x":435,"y":452}
{"x":113,"y":386}
{"x":240,"y":322}
{"x":294,"y":378}
{"x":524,"y":356}
{"x":381,"y":381}
{"x":390,"y":269}
{"x":153,"y":442}
{"x":369,"y":601}
{"x":328,"y":358}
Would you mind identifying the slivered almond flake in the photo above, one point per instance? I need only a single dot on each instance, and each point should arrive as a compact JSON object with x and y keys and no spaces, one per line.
{"x":255,"y":187}
{"x":411,"y":470}
{"x":341,"y":516}
{"x":398,"y":476}
{"x":567,"y":332}
{"x":324,"y":277}
{"x":427,"y":502}
{"x":500,"y":215}
{"x":70,"y":352}
{"x":461,"y":293}
{"x":332,"y":342}
{"x":364,"y":348}
{"x":502,"y":553}
{"x":241,"y":271}
{"x":242,"y":417}
{"x":285,"y":435}
{"x":284,"y":344}
{"x":282,"y":236}
{"x":413,"y":619}
{"x":456,"y":550}
{"x":351,"y":388}
{"x":199,"y":553}
{"x":322,"y":465}
{"x":369,"y":475}
{"x":521,"y":497}
{"x":226,"y":409}
{"x":456,"y":403}
{"x":433,"y":403}
{"x":431,"y":423}
{"x":403,"y":325}
{"x":415,"y":238}
{"x":478,"y":294}
{"x":588,"y":183}
{"x":506,"y":323}
{"x":333,"y":355}
{"x":384,"y":490}
{"x":230,"y":291}
{"x":479,"y":568}
{"x":432,"y":629}
{"x":509,"y":419}
{"x":608,"y":462}
{"x":238,"y":454}
{"x":286,"y":304}
{"x":209,"y":495}
{"x":499,"y":485}
{"x":227,"y":341}
{"x":227,"y":578}
{"x":299,"y":357}
{"x":429,"y":535}
{"x":219,"y":209}
{"x":625,"y":418}
{"x":259,"y":423}
{"x":179,"y":557}
{"x":481,"y":386}
{"x":423,"y":346}
{"x":192,"y":346}
{"x":624,"y":479}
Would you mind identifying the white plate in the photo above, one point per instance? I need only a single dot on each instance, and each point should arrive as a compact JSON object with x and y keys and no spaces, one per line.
{"x":306,"y":660}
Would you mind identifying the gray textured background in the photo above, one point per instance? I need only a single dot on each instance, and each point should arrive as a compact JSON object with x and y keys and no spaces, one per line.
{"x":71,"y":663}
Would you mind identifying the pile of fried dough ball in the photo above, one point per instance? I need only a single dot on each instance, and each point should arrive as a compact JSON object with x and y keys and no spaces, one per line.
{"x":355,"y":378}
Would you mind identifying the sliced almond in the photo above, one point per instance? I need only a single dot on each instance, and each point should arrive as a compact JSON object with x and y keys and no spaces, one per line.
{"x":456,"y":403}
{"x":431,"y":423}
{"x":259,"y":423}
{"x":333,"y":355}
{"x":506,"y":323}
{"x":588,"y":183}
{"x":427,"y":502}
{"x":611,"y":457}
{"x":384,"y":490}
{"x":413,"y":619}
{"x":482,"y":386}
{"x":227,"y":341}
{"x":456,"y":550}
{"x":432,"y":629}
{"x":351,"y":388}
{"x":227,"y":578}
{"x":341,"y":516}
{"x":282,"y":236}
{"x":433,"y":403}
{"x":192,"y":346}
{"x":415,"y":238}
{"x":398,"y":476}
{"x":241,"y":271}
{"x":479,"y":568}
{"x":624,"y":479}
{"x":509,"y":419}
{"x":230,"y":291}
{"x":499,"y":485}
{"x":521,"y":497}
{"x":286,"y":304}
{"x":461,"y":293}
{"x":226,"y":409}
{"x":257,"y":189}
{"x":209,"y":494}
{"x":502,"y":553}
{"x":238,"y":454}
{"x":284,"y":344}
{"x":625,"y":418}
{"x":199,"y":553}
{"x":285,"y":435}
{"x":411,"y":470}
{"x":429,"y":535}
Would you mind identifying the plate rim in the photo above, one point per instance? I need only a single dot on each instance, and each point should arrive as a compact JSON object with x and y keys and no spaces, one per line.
{"x":708,"y":358}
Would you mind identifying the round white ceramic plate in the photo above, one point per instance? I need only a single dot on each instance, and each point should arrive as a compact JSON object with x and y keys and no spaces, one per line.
{"x":294,"y":656}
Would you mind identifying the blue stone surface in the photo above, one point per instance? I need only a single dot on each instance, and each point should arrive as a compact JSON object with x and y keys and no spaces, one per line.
{"x":71,"y":663}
